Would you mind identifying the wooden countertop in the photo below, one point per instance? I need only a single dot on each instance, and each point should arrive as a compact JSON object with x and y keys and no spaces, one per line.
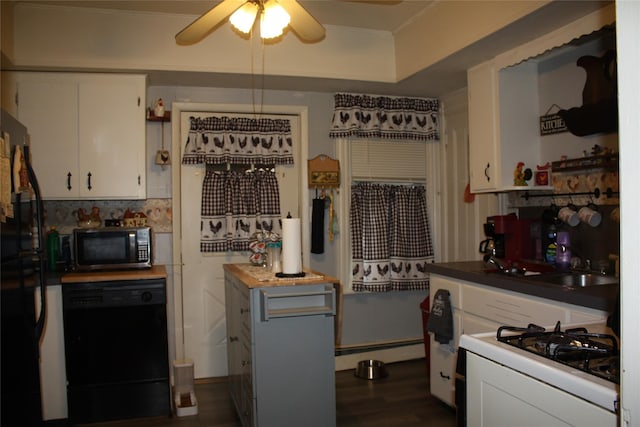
{"x":258,"y":277}
{"x":155,"y":272}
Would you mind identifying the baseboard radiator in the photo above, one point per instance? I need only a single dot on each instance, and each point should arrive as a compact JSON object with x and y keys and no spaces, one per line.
{"x":347,"y":357}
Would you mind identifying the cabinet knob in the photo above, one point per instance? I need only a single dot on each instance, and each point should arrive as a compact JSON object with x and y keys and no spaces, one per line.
{"x":232,"y":339}
{"x":244,"y":310}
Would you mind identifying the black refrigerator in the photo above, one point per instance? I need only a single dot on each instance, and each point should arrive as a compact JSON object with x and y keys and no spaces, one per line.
{"x":23,"y":270}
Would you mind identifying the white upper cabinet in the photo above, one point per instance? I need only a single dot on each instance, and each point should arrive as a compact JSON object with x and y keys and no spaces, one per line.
{"x":484,"y":166}
{"x":509,"y":93}
{"x":87,"y":133}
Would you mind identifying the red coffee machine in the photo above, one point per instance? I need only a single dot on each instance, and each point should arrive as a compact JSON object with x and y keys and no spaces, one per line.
{"x":512,"y":236}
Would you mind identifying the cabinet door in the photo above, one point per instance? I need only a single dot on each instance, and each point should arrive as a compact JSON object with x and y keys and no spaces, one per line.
{"x":294,"y":360}
{"x":48,"y":107}
{"x":442,"y":369}
{"x":483,"y":121}
{"x":498,"y":396}
{"x":233,"y":338}
{"x":112,"y":137}
{"x":443,"y":356}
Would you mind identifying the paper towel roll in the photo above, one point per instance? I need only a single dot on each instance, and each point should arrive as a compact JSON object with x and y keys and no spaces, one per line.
{"x":291,"y":246}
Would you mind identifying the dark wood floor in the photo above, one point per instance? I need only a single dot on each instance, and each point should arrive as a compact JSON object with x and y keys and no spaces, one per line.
{"x":401,"y":399}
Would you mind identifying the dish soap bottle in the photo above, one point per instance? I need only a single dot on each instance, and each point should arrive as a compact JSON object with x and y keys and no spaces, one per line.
{"x":563,"y":252}
{"x":550,"y":250}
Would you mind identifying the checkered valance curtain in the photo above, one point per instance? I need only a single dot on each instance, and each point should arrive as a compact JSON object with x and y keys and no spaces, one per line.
{"x":238,"y":140}
{"x":235,"y":205}
{"x":396,"y":118}
{"x":390,"y":238}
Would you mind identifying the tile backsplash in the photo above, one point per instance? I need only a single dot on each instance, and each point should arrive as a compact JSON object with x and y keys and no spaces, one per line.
{"x":593,"y":243}
{"x":63,"y":214}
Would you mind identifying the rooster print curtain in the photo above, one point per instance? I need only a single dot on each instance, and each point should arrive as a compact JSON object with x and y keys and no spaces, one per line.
{"x":365,"y":116}
{"x":238,"y":140}
{"x":390,"y":238}
{"x":235,"y":205}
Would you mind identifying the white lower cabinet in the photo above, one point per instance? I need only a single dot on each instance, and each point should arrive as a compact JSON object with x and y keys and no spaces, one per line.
{"x":478,"y":308}
{"x":442,"y":364}
{"x":501,"y":397}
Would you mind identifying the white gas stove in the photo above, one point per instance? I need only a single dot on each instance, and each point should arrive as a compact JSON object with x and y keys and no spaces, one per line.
{"x":529,"y":380}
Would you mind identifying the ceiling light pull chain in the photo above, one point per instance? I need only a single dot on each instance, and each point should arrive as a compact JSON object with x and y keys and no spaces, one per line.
{"x":263,"y":73}
{"x":253,"y":83}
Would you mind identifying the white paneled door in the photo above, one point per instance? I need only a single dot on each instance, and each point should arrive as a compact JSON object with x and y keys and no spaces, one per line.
{"x":203,"y":305}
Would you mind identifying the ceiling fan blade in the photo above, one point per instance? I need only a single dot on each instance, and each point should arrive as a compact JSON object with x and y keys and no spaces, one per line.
{"x":205,"y":24}
{"x":379,"y":2}
{"x":302,"y":23}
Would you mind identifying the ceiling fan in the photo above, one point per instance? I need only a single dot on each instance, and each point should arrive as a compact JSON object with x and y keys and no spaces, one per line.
{"x":306,"y":27}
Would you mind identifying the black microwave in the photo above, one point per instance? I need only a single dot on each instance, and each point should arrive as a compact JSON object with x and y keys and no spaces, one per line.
{"x":112,"y":248}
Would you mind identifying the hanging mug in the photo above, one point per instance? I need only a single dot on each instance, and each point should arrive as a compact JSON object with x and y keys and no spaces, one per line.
{"x":569,"y":216}
{"x":590,"y":216}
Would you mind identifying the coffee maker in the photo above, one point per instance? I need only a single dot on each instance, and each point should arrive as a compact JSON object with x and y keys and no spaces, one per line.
{"x":511,"y":237}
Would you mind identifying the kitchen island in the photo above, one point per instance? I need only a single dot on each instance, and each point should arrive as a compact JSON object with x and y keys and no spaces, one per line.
{"x":280,"y":346}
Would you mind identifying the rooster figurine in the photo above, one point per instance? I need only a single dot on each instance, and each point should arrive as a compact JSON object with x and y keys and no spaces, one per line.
{"x":518,"y":175}
{"x":83,"y":216}
{"x":95,"y":215}
{"x":88,"y":220}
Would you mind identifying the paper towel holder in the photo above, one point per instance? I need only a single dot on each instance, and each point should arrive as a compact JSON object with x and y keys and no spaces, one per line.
{"x":323,"y":172}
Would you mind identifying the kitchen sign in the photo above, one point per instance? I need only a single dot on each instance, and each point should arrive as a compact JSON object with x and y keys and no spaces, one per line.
{"x":551,"y":124}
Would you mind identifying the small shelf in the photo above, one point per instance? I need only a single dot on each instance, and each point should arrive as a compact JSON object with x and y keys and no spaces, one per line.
{"x":528,"y":188}
{"x":151,"y":117}
{"x":608,"y":162}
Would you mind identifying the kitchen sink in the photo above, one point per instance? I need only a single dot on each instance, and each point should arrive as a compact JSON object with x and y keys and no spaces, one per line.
{"x":576,"y":279}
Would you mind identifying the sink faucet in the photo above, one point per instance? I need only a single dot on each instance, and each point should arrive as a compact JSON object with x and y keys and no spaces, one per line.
{"x":490,"y":260}
{"x":577,"y":262}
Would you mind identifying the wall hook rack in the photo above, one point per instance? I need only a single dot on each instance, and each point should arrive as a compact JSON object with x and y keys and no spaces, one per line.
{"x":324,"y":172}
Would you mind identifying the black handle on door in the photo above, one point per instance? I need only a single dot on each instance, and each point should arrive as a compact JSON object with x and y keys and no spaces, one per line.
{"x":69,"y":181}
{"x":89,"y":180}
{"x":446,"y":377}
{"x":485,"y":172}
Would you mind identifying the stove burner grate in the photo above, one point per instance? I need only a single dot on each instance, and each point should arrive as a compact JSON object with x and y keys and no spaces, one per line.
{"x":596,"y":354}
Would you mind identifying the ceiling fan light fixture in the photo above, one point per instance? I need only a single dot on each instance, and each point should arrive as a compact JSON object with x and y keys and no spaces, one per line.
{"x":273,"y":20}
{"x":243,"y":18}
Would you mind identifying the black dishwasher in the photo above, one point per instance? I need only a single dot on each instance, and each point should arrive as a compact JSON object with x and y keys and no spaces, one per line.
{"x":115,"y":336}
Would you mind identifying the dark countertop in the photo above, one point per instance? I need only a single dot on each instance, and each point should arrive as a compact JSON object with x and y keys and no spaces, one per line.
{"x":602,"y":297}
